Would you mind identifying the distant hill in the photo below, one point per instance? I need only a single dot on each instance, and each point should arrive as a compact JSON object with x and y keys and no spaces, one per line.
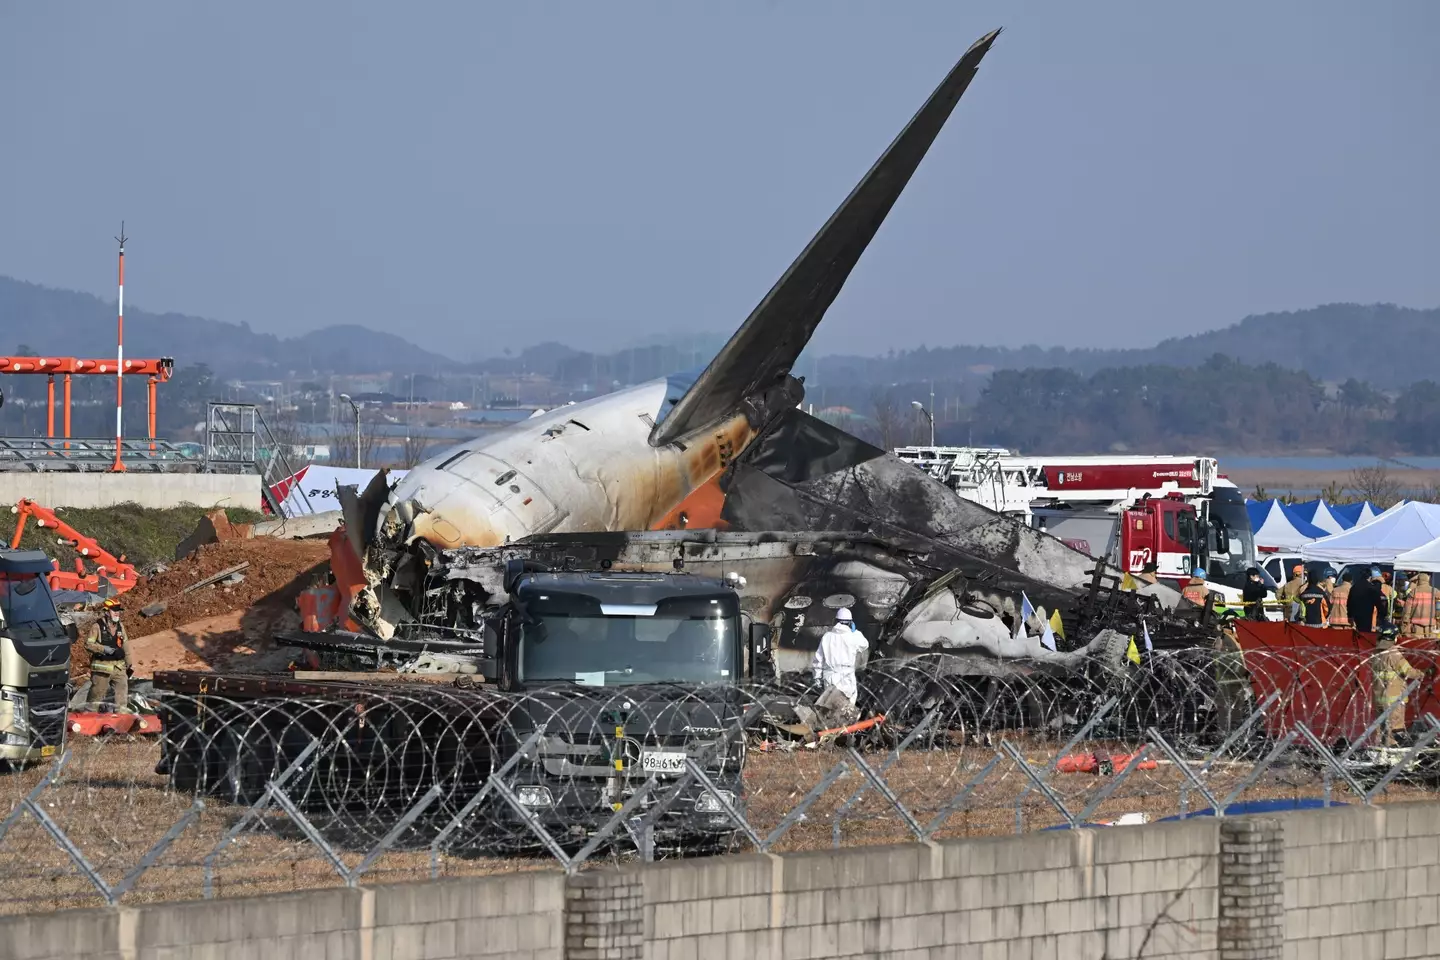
{"x":1381,"y":344}
{"x":66,"y":323}
{"x":1384,"y":345}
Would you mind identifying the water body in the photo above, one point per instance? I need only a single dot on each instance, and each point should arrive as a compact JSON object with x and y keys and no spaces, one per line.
{"x":1326,"y":463}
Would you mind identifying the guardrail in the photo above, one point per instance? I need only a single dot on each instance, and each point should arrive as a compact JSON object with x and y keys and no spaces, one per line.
{"x":79,"y":454}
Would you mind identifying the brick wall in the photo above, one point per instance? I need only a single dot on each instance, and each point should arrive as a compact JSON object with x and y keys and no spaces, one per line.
{"x":1352,"y":883}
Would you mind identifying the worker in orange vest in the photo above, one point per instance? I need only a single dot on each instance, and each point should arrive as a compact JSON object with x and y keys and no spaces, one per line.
{"x":1339,"y":598}
{"x":1195,"y":589}
{"x":1417,"y":615}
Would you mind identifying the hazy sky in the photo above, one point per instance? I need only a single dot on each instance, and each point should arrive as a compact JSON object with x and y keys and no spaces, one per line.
{"x":480,"y":176}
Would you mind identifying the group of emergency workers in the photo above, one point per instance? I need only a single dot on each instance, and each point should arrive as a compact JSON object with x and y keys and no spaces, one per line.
{"x":1388,"y":606}
{"x":1405,"y":601}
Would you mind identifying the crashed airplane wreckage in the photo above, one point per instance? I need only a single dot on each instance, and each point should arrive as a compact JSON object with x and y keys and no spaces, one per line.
{"x":684,"y":507}
{"x":720,"y":473}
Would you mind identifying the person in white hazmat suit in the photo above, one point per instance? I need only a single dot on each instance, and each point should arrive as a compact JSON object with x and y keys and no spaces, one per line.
{"x":834,"y":668}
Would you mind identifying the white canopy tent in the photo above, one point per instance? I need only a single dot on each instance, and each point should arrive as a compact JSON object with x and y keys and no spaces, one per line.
{"x":1318,"y":512}
{"x":1279,"y":527}
{"x":1398,"y":530}
{"x":1426,"y":558}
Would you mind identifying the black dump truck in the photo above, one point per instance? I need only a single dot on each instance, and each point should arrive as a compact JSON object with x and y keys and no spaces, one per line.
{"x":34,"y":661}
{"x":588,"y":685}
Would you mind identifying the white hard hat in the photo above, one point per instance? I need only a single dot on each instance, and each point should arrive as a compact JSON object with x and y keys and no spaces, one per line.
{"x":843,"y":615}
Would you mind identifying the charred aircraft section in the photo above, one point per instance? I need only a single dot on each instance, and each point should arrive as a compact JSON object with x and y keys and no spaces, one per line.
{"x":807,"y":514}
{"x":913,"y":598}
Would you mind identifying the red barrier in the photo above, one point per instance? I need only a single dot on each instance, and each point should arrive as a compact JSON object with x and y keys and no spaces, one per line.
{"x":1323,"y":677}
{"x":99,"y":724}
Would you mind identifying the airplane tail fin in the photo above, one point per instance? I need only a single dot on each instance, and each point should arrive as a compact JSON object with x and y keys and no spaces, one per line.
{"x":764,"y":349}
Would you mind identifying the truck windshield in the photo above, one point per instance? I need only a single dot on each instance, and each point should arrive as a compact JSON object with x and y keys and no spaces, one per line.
{"x":683,"y":640}
{"x":1227,"y":510}
{"x":23,"y":599}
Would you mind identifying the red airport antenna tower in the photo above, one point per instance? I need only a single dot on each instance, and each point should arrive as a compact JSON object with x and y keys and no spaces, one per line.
{"x":119,"y":467}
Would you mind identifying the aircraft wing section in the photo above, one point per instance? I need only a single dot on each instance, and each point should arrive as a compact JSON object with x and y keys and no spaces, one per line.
{"x":763,"y":350}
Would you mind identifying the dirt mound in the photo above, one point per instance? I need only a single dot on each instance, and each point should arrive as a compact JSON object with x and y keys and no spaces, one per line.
{"x":265,"y":599}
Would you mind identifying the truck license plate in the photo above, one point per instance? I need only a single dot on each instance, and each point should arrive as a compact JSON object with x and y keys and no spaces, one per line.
{"x":662,"y":761}
{"x":47,"y":751}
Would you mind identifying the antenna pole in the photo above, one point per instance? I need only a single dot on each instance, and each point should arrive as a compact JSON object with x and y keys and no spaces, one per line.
{"x":119,"y":467}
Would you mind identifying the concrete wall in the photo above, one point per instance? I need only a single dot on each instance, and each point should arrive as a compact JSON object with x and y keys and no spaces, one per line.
{"x":1048,"y":896}
{"x":1351,"y":883}
{"x":1365,"y":883}
{"x":146,"y":489}
{"x":510,"y":916}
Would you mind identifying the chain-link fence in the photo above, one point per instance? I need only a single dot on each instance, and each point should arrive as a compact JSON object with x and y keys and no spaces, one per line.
{"x":245,"y":795}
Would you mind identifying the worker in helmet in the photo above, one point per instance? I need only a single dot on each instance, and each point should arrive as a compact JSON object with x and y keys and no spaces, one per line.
{"x":1390,"y":674}
{"x":1418,"y":614}
{"x":109,"y":648}
{"x":1232,"y":683}
{"x":1289,"y":595}
{"x":1195,"y":589}
{"x":834,"y":666}
{"x":1340,"y":602}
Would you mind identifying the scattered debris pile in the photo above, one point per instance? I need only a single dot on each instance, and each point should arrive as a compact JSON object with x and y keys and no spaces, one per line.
{"x":260,"y":597}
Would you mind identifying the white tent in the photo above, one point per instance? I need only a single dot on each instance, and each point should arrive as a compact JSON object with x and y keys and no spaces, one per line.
{"x":1398,"y":530}
{"x":1318,"y":512}
{"x":1279,"y":527}
{"x":1426,"y":558}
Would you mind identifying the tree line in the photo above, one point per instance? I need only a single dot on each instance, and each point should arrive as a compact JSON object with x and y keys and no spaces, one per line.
{"x":1218,"y":404}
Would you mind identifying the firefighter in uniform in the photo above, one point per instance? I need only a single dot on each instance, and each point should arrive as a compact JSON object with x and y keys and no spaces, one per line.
{"x":1390,"y":673}
{"x":1314,"y":602}
{"x":109,"y":648}
{"x":1195,"y":589}
{"x":1390,"y":598}
{"x":1232,"y":683}
{"x":1417,"y":617}
{"x":1339,"y":603}
{"x":1289,"y":595}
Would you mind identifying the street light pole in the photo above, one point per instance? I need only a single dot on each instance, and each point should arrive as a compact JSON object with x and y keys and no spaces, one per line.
{"x":346,"y":398}
{"x":928,"y":416}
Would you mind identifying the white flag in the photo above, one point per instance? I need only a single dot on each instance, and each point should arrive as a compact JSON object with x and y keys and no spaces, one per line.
{"x":1047,"y":639}
{"x":1146,"y":627}
{"x":1026,"y":612}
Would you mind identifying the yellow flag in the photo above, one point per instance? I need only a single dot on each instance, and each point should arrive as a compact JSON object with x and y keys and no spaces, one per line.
{"x":1127,"y":582}
{"x":1133,"y":653}
{"x":1057,"y":625}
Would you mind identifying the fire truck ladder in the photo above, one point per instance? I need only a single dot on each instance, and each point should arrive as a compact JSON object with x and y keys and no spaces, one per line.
{"x":237,"y":440}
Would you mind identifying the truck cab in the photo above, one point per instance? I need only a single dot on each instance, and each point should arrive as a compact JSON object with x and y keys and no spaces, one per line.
{"x":625,"y":676}
{"x":34,"y":660}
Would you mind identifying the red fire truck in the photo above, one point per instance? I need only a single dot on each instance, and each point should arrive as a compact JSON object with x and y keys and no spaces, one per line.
{"x":1175,"y":511}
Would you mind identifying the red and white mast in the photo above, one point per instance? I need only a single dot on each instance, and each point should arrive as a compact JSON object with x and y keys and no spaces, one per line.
{"x":119,"y":467}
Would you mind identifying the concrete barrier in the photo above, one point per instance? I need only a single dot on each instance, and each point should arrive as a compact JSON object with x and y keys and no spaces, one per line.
{"x":1358,"y":883}
{"x":160,"y":490}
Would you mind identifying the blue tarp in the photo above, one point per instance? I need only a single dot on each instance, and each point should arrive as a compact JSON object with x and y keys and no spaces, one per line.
{"x":1237,"y":810}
